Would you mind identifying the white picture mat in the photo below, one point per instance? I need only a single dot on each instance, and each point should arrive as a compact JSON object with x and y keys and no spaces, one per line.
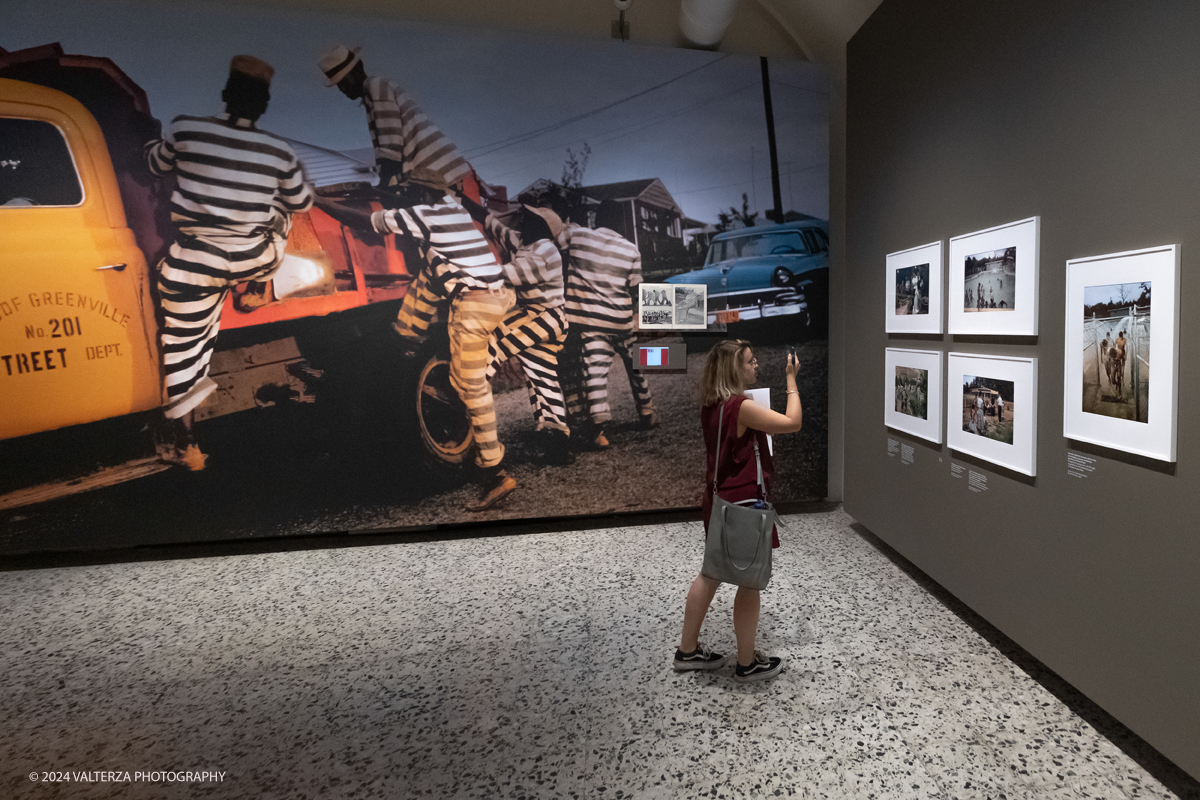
{"x":1021,"y":455}
{"x":929,"y":360}
{"x":646,"y":293}
{"x":763,"y":398}
{"x":931,"y":254}
{"x":1155,"y":438}
{"x":1024,"y":235}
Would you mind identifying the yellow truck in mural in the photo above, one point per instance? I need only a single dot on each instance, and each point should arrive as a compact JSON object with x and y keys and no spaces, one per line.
{"x":82,"y":225}
{"x":77,"y":327}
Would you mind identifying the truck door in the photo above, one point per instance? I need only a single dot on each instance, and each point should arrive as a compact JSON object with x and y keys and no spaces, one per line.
{"x":77,"y":330}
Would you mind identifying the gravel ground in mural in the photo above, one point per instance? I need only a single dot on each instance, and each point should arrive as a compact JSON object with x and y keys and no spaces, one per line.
{"x":285,"y":473}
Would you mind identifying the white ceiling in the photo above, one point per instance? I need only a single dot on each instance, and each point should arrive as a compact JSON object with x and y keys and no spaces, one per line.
{"x":814,"y":29}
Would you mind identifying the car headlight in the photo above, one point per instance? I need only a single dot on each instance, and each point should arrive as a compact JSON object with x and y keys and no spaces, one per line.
{"x":782,"y":276}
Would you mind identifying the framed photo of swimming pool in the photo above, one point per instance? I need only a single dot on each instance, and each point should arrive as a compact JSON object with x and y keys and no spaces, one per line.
{"x":914,"y":290}
{"x":991,"y":409}
{"x":1112,"y":350}
{"x":912,"y":392}
{"x":993,"y":282}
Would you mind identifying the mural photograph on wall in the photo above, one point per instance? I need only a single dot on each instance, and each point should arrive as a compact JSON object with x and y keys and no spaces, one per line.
{"x":273,"y":273}
{"x":1122,"y":370}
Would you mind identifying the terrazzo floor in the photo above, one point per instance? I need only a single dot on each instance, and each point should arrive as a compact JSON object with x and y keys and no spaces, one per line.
{"x":521,"y":666}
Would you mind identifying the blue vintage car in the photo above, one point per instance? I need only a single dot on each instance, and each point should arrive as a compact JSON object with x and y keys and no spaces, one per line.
{"x":767,"y":271}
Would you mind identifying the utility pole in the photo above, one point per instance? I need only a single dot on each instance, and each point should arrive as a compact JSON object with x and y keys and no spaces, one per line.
{"x":777,"y":214}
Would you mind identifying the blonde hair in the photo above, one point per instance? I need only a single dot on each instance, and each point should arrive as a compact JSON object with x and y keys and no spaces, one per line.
{"x":723,"y":372}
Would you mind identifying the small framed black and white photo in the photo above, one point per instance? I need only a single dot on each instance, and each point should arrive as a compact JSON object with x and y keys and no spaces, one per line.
{"x":991,"y":409}
{"x":672,"y":306}
{"x":914,"y":290}
{"x":1112,"y":351}
{"x":993,"y":282}
{"x":912,"y":393}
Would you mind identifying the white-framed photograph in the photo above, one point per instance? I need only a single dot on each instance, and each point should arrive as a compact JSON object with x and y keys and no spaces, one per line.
{"x":914,"y":290}
{"x":656,"y":306}
{"x":993,"y":283}
{"x":991,"y":409}
{"x":672,"y":306}
{"x":1111,"y":352}
{"x":691,"y":306}
{"x":912,"y":395}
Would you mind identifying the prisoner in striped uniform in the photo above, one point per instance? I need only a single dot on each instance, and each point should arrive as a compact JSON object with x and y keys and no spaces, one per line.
{"x":603,"y":269}
{"x":403,"y":137}
{"x":534,"y":332}
{"x":462,"y":277}
{"x":235,"y":191}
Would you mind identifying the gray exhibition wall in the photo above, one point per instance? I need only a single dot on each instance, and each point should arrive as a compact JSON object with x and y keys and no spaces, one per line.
{"x":963,"y":116}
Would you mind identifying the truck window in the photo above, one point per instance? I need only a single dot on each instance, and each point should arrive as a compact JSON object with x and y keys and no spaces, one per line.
{"x":36,"y":168}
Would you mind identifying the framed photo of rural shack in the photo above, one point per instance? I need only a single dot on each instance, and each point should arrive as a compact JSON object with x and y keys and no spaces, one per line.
{"x":991,"y":409}
{"x":1112,"y":350}
{"x":914,"y":290}
{"x":912,"y":397}
{"x":993,"y":283}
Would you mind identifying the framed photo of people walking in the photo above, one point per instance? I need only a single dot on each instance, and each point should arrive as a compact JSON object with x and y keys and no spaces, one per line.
{"x":991,"y":409}
{"x":914,"y":290}
{"x":1112,"y":351}
{"x":912,"y":396}
{"x":993,"y":283}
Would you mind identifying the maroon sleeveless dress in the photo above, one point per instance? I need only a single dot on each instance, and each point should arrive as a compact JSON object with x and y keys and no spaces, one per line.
{"x":739,"y":474}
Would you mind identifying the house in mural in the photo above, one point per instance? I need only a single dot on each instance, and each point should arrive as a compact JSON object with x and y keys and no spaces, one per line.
{"x":650,"y":217}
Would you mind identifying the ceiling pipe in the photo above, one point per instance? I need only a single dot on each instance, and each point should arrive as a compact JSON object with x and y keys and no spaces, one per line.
{"x":703,"y":22}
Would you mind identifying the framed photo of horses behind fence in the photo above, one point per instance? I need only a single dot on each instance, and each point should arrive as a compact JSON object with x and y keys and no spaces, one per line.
{"x":993,"y":283}
{"x":914,"y":290}
{"x":912,"y":396}
{"x":1112,"y":350}
{"x":991,"y":409}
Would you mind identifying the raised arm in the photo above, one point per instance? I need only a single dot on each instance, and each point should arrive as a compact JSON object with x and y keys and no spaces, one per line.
{"x":760,"y":418}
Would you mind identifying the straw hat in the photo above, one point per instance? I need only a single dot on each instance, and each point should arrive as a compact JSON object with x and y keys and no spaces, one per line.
{"x":337,"y":63}
{"x":553,"y":221}
{"x":252,"y":67}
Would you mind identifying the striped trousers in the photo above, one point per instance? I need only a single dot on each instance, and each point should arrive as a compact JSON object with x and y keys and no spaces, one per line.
{"x":535,"y":338}
{"x":193,"y":281}
{"x":473,"y":317}
{"x":588,"y":358}
{"x":420,"y":308}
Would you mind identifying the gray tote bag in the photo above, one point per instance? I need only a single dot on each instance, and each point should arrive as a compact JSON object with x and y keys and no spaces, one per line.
{"x":738,"y":547}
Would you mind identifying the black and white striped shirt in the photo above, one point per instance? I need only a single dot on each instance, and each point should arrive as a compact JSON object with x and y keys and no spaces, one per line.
{"x":603,"y":268}
{"x":401,"y":132}
{"x":535,"y":271}
{"x":231,"y":177}
{"x":457,"y":254}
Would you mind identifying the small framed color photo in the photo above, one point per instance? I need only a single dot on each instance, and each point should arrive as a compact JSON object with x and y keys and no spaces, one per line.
{"x":912,"y":392}
{"x":1112,"y":351}
{"x":991,"y":409}
{"x":914,"y":290}
{"x":672,"y":306}
{"x":993,"y":282}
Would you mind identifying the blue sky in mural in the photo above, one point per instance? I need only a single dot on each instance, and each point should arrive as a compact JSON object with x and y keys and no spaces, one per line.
{"x":704,"y":133}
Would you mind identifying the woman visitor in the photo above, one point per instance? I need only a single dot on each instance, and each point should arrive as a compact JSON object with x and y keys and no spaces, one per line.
{"x":730,"y":369}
